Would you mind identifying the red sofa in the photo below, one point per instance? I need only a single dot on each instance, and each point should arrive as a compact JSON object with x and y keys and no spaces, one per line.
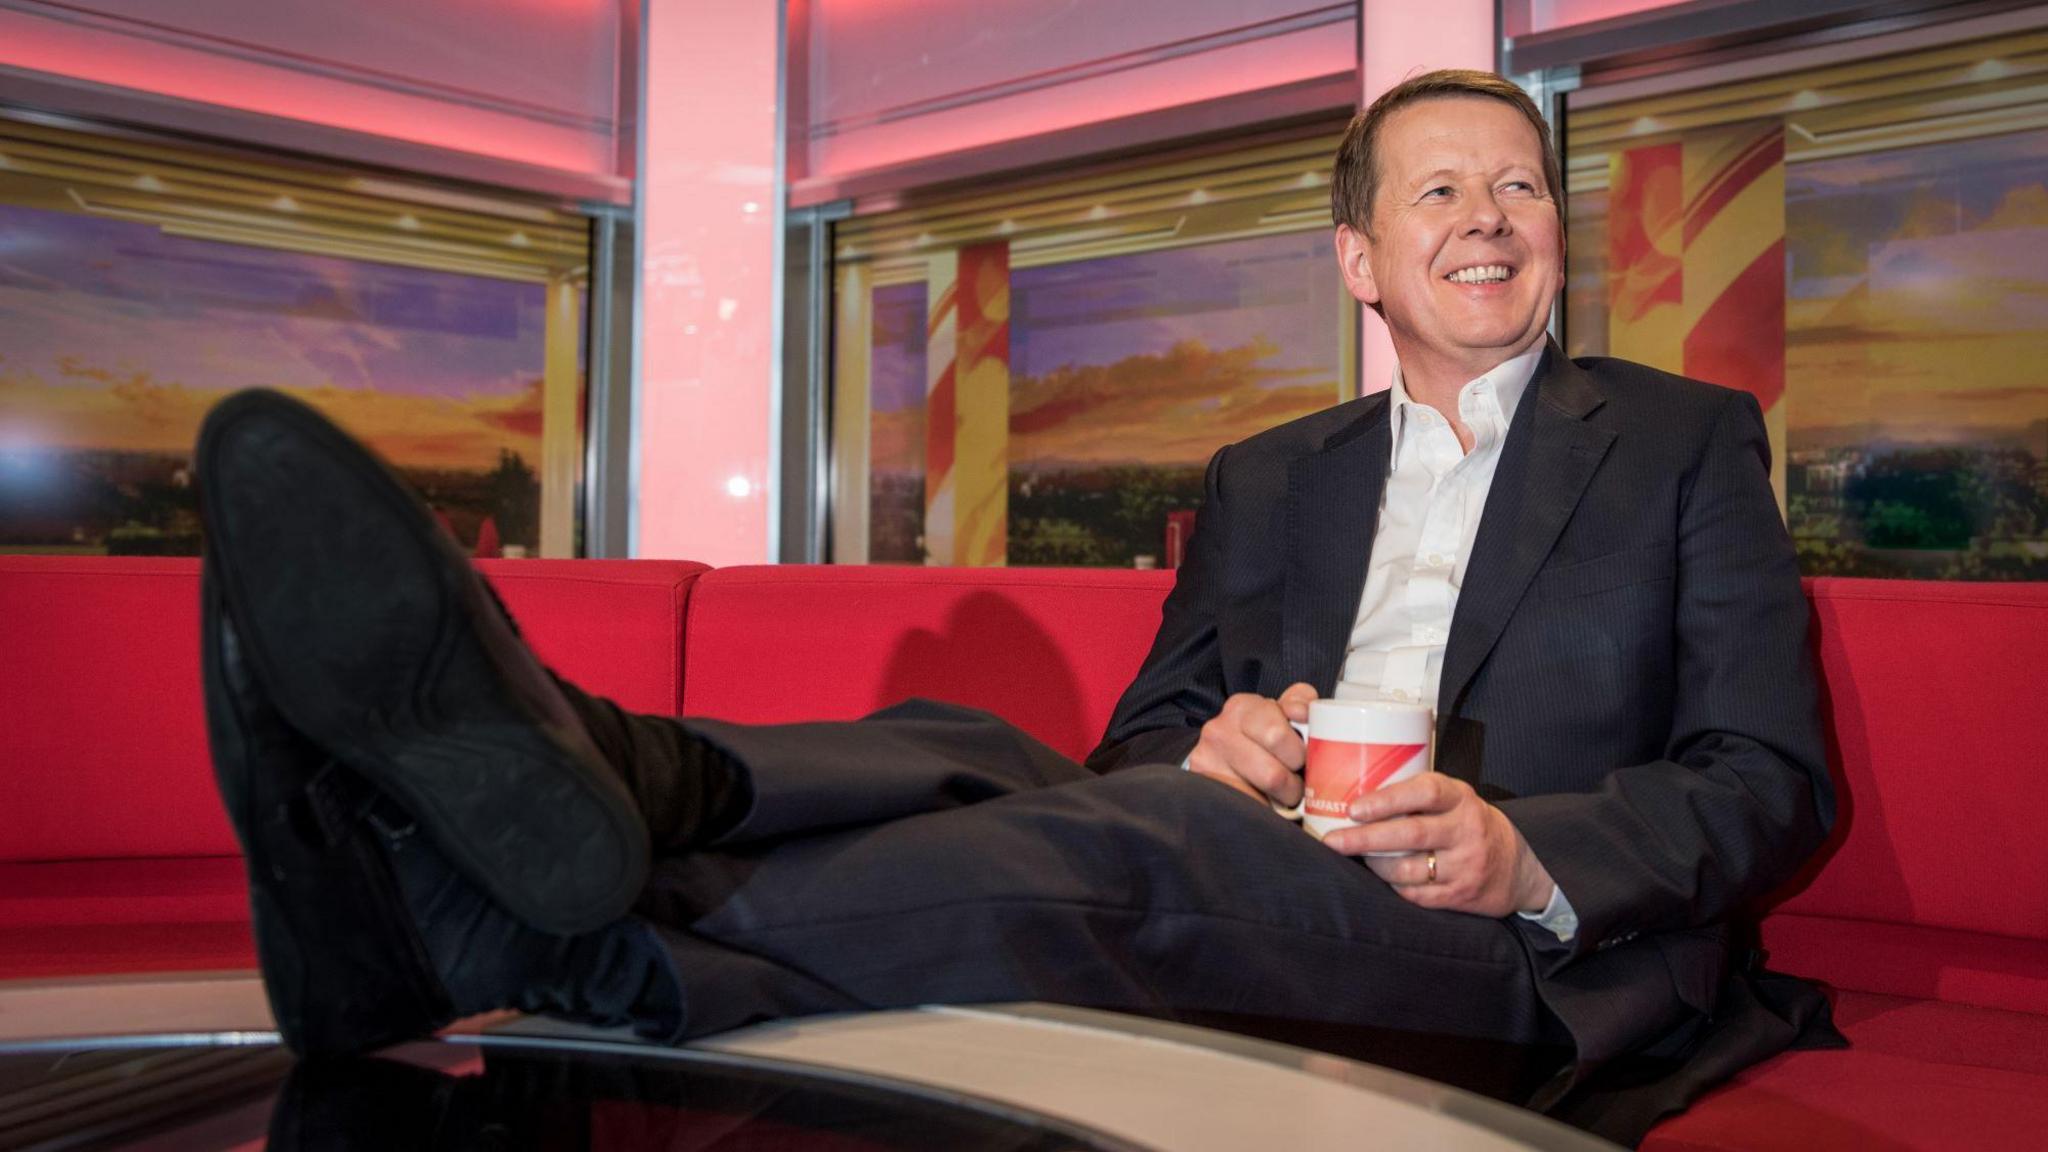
{"x":1928,"y":912}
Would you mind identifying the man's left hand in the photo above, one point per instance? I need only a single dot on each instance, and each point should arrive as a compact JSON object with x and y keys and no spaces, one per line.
{"x":1483,"y":866}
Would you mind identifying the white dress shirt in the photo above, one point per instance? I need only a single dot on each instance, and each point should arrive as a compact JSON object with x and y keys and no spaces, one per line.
{"x":1428,"y":519}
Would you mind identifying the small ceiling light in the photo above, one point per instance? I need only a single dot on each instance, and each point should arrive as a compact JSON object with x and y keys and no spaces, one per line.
{"x":1805,"y":98}
{"x":1099,"y":212}
{"x":750,"y":207}
{"x":409,"y":222}
{"x":1199,"y":196}
{"x":518,"y":240}
{"x":1993,"y":69}
{"x":1311,"y":179}
{"x":739,"y":488}
{"x":3,"y":160}
{"x":149,"y":183}
{"x":285,"y":204}
{"x":1644,"y":125}
{"x":1006,"y":227}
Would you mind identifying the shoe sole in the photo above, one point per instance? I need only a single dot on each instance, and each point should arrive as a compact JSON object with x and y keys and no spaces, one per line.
{"x":375,"y":639}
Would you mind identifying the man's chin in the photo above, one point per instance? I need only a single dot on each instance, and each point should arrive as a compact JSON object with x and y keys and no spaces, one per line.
{"x":1497,"y":345}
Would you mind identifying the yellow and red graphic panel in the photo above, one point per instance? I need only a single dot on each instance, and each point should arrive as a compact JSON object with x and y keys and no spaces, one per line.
{"x":967,"y":428}
{"x":1696,"y":258}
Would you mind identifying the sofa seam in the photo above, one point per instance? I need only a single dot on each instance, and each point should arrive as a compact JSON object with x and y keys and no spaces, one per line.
{"x":2043,"y":942}
{"x":1102,"y":586}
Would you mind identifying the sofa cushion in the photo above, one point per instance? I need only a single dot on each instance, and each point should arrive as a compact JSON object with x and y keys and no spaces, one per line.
{"x":1918,"y":1075}
{"x":1049,"y":649}
{"x":100,"y":703}
{"x":1935,"y":734}
{"x":613,"y":627}
{"x":1984,"y":969}
{"x":82,"y":917}
{"x":99,"y":700}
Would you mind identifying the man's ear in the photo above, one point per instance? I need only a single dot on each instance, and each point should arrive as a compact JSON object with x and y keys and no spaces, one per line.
{"x":1354,"y":259}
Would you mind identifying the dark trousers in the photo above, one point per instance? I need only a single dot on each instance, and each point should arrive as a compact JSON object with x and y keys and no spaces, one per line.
{"x":933,"y":854}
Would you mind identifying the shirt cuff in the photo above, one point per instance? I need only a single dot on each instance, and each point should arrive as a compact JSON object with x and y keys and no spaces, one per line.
{"x":1557,"y":916}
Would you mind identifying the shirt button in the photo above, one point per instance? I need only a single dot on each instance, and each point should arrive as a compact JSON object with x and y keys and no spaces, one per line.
{"x":1436,"y":559}
{"x":1400,"y":694}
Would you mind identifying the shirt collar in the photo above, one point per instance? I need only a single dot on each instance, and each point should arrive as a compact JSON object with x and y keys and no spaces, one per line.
{"x":1509,"y":381}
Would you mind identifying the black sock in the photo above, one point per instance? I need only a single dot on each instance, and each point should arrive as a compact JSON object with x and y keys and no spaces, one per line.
{"x":689,"y":792}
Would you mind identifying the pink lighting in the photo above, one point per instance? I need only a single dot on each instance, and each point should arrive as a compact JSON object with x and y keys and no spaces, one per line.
{"x":1549,"y":15}
{"x":533,"y":85}
{"x":1401,"y":38}
{"x":707,"y":284}
{"x":890,"y":84}
{"x":1243,"y":68}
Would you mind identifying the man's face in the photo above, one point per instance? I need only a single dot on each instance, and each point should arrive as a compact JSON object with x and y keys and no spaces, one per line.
{"x":1466,"y":254}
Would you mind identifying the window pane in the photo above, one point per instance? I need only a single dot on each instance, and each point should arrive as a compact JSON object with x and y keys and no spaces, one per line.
{"x":1865,"y":247}
{"x":896,"y":453}
{"x":130,"y":304}
{"x":1038,"y":375}
{"x":1129,"y":371}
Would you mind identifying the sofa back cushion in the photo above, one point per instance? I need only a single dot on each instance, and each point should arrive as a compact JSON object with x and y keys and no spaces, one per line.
{"x":1933,"y":700}
{"x":1048,"y":649}
{"x":104,"y":745}
{"x":102,"y":734}
{"x":1938,"y":741}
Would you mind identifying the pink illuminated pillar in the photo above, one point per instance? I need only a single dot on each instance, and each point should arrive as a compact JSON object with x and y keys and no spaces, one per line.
{"x":708,"y":221}
{"x":1400,"y":38}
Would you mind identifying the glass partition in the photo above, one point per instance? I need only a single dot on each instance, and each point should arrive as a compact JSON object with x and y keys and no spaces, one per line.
{"x":1864,"y":246}
{"x":140,"y":283}
{"x":1039,"y":375}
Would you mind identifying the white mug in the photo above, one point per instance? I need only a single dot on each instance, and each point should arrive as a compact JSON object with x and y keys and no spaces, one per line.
{"x":1354,"y":747}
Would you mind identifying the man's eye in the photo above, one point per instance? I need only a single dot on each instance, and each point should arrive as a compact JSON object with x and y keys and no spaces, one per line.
{"x":1438,"y":192}
{"x":1518,"y":186}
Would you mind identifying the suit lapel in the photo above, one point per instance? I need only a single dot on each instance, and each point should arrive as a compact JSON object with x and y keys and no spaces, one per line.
{"x":1550,"y":456}
{"x":1333,"y":505}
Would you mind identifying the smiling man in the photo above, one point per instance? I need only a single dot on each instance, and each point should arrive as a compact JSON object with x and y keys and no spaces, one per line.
{"x":1579,"y":565}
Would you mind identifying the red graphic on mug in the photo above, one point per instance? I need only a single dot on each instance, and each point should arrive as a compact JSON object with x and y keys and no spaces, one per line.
{"x":1340,"y":771}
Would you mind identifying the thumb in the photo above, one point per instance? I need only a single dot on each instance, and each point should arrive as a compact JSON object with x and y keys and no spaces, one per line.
{"x":1295,"y":700}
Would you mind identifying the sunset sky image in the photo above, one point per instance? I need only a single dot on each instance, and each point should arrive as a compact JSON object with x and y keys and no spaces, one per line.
{"x":1918,"y":293}
{"x":1154,"y":358}
{"x":115,"y":336}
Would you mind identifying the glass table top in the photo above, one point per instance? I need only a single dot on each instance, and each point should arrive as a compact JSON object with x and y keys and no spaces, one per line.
{"x":191,"y":1061}
{"x":182,"y":1095}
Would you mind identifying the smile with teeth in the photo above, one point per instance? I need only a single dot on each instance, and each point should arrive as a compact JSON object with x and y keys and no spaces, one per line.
{"x":1482,"y":274}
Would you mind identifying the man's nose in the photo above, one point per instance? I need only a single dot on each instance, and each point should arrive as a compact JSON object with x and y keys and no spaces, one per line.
{"x":1484,"y":216}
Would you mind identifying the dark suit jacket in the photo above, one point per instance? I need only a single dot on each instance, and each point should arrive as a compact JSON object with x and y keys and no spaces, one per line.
{"x":1626,"y":676}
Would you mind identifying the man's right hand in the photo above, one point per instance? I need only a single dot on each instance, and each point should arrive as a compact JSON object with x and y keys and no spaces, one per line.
{"x":1250,"y":746}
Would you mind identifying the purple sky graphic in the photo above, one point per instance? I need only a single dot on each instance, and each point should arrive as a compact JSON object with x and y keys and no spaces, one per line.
{"x":123,"y":298}
{"x":1283,"y":289}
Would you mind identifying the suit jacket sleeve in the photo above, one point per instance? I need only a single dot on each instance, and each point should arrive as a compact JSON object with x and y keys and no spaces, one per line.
{"x":1742,"y":795}
{"x":1181,"y":684}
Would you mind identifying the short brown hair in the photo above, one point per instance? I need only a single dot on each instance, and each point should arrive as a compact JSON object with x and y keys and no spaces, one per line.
{"x":1356,"y":177}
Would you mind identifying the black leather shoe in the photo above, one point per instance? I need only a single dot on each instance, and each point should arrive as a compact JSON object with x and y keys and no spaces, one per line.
{"x":374,"y":638}
{"x":342,"y":963}
{"x":366,"y":935}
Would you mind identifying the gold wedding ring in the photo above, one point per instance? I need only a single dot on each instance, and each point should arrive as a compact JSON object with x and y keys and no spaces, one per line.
{"x":1430,"y":861}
